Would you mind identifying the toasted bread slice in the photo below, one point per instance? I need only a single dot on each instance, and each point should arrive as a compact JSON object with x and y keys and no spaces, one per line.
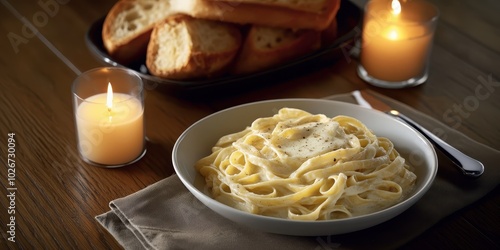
{"x":128,"y":25}
{"x":251,"y":13}
{"x":315,"y":6}
{"x":182,"y":47}
{"x":266,"y":47}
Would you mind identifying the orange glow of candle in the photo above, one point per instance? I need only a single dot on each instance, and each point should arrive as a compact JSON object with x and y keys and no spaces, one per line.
{"x":392,"y":35}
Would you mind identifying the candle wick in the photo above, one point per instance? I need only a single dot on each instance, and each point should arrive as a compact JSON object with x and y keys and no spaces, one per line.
{"x":110,"y":117}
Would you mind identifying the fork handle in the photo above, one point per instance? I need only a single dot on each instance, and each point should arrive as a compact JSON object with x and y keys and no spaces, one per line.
{"x":468,"y":165}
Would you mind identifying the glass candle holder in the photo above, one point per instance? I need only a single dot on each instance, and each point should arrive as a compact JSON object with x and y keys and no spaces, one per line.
{"x":396,"y":43}
{"x":108,"y":106}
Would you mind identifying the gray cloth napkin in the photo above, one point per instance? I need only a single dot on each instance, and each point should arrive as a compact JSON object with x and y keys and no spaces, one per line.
{"x":166,"y":216}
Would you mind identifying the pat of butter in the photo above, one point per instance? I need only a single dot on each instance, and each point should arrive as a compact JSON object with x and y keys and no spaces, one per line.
{"x":310,"y":139}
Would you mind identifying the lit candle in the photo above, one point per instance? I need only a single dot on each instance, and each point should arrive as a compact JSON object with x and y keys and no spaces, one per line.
{"x":396,"y":41}
{"x":110,"y":128}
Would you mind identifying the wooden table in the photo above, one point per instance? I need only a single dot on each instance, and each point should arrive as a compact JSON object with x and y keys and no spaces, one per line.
{"x":58,"y":195}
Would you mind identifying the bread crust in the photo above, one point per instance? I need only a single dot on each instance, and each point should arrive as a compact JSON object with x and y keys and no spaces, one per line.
{"x":247,"y":13}
{"x":200,"y":64}
{"x":314,"y":6}
{"x":330,"y":34}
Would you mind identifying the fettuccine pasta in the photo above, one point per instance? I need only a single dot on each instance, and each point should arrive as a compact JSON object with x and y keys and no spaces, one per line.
{"x":302,"y":166}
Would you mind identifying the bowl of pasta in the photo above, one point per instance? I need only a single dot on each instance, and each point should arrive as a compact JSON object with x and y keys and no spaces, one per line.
{"x":305,"y":167}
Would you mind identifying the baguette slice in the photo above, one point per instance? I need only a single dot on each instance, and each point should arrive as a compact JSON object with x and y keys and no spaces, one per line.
{"x":250,"y":13}
{"x":128,"y":25}
{"x":266,"y":47}
{"x":315,"y":6}
{"x":182,"y":47}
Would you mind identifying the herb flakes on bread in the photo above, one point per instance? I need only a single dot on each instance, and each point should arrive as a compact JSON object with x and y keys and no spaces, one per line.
{"x":192,"y":39}
{"x":266,"y":47}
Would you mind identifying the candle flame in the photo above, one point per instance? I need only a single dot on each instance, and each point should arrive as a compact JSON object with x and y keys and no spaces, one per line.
{"x":109,"y":99}
{"x":396,"y":7}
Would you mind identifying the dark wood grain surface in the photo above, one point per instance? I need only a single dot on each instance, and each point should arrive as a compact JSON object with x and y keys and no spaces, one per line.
{"x":58,"y":195}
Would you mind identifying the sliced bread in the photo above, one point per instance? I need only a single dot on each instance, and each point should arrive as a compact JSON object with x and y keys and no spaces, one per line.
{"x":252,"y":13}
{"x":182,"y":47}
{"x":266,"y":47}
{"x":128,"y":25}
{"x":315,"y":6}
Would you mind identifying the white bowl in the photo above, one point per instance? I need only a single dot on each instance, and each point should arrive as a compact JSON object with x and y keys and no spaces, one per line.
{"x":197,"y":141}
